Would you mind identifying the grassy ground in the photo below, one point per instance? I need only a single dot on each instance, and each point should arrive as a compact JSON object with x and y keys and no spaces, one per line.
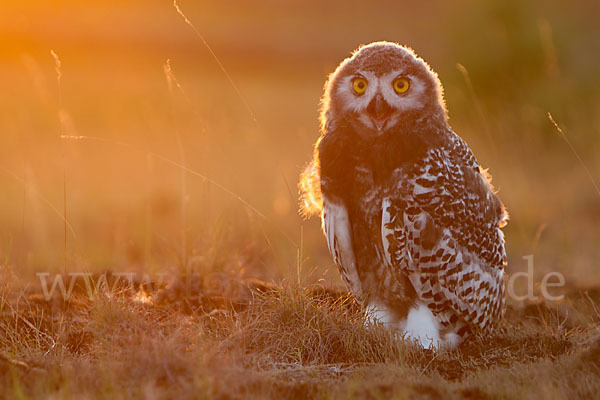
{"x":266,"y":313}
{"x":234,"y":338}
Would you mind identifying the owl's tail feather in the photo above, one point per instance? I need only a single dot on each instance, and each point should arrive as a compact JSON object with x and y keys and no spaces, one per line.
{"x":311,"y":201}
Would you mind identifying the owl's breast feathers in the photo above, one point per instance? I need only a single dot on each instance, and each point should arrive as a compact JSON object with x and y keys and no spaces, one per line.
{"x":439,"y":218}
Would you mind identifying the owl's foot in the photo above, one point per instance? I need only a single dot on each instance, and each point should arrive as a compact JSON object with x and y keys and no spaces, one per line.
{"x":422,"y":327}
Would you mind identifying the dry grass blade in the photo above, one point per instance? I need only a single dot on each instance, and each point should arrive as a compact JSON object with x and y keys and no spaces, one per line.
{"x":583,"y":165}
{"x":18,"y":363}
{"x":214,"y":55}
{"x":41,"y":197}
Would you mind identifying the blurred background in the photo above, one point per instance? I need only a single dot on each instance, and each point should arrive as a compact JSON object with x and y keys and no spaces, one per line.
{"x":130,"y":210}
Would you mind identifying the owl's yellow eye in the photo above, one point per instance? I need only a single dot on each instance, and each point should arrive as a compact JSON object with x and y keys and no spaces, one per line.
{"x":401,"y":85}
{"x":359,"y":85}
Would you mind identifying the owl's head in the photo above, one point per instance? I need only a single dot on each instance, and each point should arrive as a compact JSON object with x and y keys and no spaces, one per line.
{"x":377,"y":88}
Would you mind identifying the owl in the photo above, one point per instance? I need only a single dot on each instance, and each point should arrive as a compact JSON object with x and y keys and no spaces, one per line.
{"x":410,"y":217}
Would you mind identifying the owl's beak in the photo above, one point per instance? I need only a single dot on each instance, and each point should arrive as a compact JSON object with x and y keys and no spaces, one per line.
{"x":379,"y":111}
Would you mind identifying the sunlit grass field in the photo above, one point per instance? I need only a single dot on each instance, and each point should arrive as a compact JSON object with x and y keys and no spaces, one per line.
{"x":171,"y":152}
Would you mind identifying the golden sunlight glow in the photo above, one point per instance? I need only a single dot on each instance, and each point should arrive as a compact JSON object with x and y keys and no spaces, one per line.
{"x":310,"y":189}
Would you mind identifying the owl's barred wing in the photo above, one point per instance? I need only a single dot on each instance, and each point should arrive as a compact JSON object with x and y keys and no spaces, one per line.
{"x":440,"y":228}
{"x":336,"y":225}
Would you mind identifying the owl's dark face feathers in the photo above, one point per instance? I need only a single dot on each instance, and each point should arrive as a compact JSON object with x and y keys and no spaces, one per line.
{"x":381,"y":88}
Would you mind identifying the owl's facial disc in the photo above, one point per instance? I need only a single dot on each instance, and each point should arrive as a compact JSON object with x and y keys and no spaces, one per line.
{"x":375,"y":103}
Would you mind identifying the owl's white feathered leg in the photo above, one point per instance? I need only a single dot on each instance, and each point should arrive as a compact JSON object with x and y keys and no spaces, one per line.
{"x":421,"y":326}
